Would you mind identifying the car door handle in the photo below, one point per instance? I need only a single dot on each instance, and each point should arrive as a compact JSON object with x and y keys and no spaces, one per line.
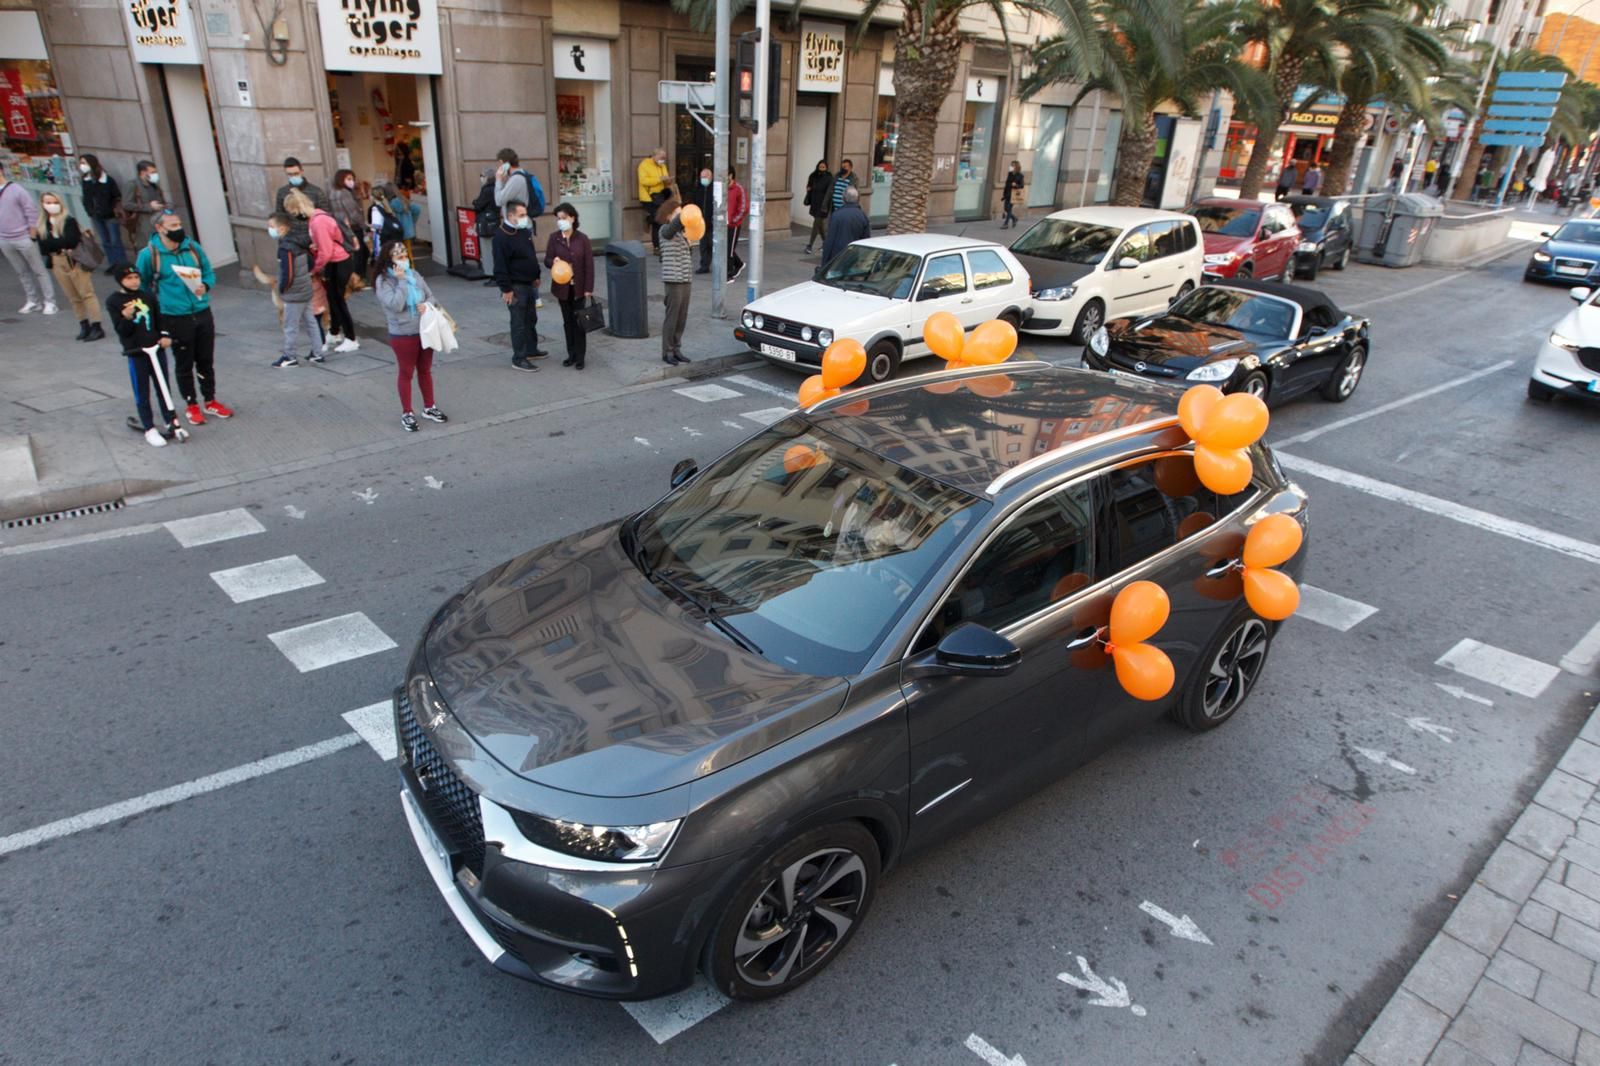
{"x":967,"y":300}
{"x":1224,"y":568}
{"x":1084,"y":639}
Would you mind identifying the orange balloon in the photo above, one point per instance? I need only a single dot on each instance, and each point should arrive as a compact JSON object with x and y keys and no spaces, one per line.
{"x":691,"y":213}
{"x":694,"y":229}
{"x":942,"y":388}
{"x":1225,"y":472}
{"x":990,"y":386}
{"x":1144,"y":671}
{"x":991,"y":343}
{"x":1193,"y":407}
{"x":1272,"y":541}
{"x":1229,"y":586}
{"x":812,"y":390}
{"x":1271,"y":593}
{"x":1175,"y":476}
{"x":843,"y":362}
{"x":1068,"y":584}
{"x":1238,"y":421}
{"x":944,"y":335}
{"x":860,"y":407}
{"x":1194,"y":524}
{"x":1138,"y":612}
{"x":798,"y":457}
{"x":561,"y":272}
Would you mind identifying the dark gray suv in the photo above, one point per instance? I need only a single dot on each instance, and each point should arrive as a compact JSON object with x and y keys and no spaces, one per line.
{"x":695,"y":738}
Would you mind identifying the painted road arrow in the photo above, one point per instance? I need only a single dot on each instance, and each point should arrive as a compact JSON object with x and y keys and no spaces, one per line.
{"x":1181,"y":927}
{"x":1462,"y":694}
{"x":1382,"y":759}
{"x":1107,"y":992}
{"x":991,"y":1054}
{"x":1428,"y":725}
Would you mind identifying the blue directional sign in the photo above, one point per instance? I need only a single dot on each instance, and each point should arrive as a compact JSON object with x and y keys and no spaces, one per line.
{"x":1501,"y":125}
{"x":1508,"y":97}
{"x":1513,"y":140}
{"x":1523,"y":111}
{"x":1530,"y":79}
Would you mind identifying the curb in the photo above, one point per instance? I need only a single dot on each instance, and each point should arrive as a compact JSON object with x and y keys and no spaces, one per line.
{"x":22,"y":505}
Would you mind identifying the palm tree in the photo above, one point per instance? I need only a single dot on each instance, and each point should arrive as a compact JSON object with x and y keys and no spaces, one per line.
{"x":1180,"y":52}
{"x":1516,"y":60}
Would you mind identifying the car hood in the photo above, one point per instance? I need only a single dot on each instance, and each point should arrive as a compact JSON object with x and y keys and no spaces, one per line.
{"x":1581,"y":324}
{"x":1053,"y":273}
{"x":814,"y":304}
{"x":1217,"y":242}
{"x":574,"y":671}
{"x":1572,"y":249}
{"x":1175,"y":342}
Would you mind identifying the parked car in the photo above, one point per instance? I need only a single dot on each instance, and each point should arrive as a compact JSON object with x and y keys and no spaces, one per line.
{"x":1327,"y":234}
{"x":1570,"y":255}
{"x":1568,"y":363}
{"x":1095,"y":263}
{"x":1260,"y":337}
{"x":881,"y":291}
{"x":1246,"y":239}
{"x":698,"y":736}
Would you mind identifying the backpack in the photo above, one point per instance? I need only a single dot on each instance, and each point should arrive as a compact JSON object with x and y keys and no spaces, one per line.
{"x":488,"y":213}
{"x":390,"y":230}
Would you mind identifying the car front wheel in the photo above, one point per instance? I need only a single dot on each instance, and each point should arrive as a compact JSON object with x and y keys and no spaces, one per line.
{"x":794,"y":913}
{"x":1539,"y":392}
{"x":1233,"y":665}
{"x":883,"y":359}
{"x":1256,"y":384}
{"x":1091,"y":318}
{"x":1341,"y":385}
{"x":1343,"y":260}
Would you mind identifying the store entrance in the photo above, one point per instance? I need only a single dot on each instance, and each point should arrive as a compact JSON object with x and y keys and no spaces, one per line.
{"x":383,"y":132}
{"x":695,"y":146}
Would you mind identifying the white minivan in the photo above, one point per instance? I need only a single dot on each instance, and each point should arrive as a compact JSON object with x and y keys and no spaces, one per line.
{"x":1091,"y":264}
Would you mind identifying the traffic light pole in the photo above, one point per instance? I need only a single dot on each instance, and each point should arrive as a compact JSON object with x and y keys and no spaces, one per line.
{"x":755,"y":224}
{"x":719,"y":165}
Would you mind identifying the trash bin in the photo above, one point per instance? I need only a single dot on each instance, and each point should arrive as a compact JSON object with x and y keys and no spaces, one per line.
{"x":1395,"y":228}
{"x":627,"y":288}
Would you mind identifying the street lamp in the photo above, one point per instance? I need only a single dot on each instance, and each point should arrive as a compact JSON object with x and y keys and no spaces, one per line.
{"x":1566,"y":20}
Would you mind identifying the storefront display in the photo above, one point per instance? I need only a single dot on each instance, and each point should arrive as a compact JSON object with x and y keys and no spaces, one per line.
{"x":36,"y":148}
{"x":883,"y":142}
{"x":977,"y":146}
{"x":583,"y":132}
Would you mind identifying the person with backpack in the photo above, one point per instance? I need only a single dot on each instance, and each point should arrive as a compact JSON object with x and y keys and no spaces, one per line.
{"x":136,"y":316}
{"x":58,"y":234}
{"x":101,"y":201}
{"x":511,"y":182}
{"x":382,"y":220}
{"x":177,"y":270}
{"x":331,"y":264}
{"x":294,"y":289}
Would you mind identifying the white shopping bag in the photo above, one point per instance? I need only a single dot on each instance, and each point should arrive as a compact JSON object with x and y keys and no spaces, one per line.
{"x":436,"y":330}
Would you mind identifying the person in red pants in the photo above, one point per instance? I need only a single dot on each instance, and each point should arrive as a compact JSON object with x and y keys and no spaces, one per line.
{"x":404,"y":295}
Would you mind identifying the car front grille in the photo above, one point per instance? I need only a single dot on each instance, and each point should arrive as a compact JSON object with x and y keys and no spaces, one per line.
{"x":450,"y":805}
{"x":1590,"y":358}
{"x":1127,"y":362}
{"x":781,"y":326}
{"x":1570,"y":266}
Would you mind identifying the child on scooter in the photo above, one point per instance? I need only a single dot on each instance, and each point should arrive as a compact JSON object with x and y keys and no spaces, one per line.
{"x":134,"y":314}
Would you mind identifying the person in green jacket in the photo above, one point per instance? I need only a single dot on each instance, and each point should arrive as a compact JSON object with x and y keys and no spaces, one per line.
{"x":177,"y":270}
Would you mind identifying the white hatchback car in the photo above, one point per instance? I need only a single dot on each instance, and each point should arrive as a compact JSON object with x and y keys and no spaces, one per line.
{"x":1568,"y":363}
{"x":1092,"y":264}
{"x":881,"y":291}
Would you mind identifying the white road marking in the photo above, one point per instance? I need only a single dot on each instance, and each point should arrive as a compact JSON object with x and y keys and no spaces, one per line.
{"x":89,"y":538}
{"x":1382,"y":759}
{"x":1584,"y":654}
{"x":116,"y":812}
{"x":1183,"y":927}
{"x":269,"y":578}
{"x":708,"y":393}
{"x":1313,"y":434}
{"x":1496,"y":666}
{"x":331,"y":641}
{"x":292,"y":511}
{"x":1462,"y":694}
{"x":761,"y":386}
{"x":433,"y":482}
{"x":1492,"y":523}
{"x":768,"y":415}
{"x":666,"y":1017}
{"x":691,"y":431}
{"x":367,"y":495}
{"x":374,"y":724}
{"x":1429,"y":726}
{"x":210,"y":528}
{"x":991,"y":1054}
{"x":731,"y":424}
{"x":641,"y":441}
{"x":1107,"y":992}
{"x":1386,"y":297}
{"x":1332,"y":610}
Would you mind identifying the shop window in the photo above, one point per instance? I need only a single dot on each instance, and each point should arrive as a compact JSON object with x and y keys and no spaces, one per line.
{"x":1108,"y":158}
{"x":883,"y":144}
{"x":972,"y":159}
{"x":37,"y":149}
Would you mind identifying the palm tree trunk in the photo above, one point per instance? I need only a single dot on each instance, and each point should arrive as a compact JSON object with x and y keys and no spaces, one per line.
{"x":1136,"y":146}
{"x":1342,"y":156}
{"x":1467,"y":175}
{"x":1286,"y":81}
{"x":923,"y":74}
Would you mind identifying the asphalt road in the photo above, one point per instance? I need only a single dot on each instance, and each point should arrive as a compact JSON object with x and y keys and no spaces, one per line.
{"x":1317,"y":842}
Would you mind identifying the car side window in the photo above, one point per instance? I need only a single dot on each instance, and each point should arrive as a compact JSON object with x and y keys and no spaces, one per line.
{"x":1166,"y":238}
{"x":988,"y":269}
{"x":1191,"y":235}
{"x":1157,"y":503}
{"x":1271,"y":224}
{"x":945,"y":276}
{"x":1045,"y":552}
{"x":1136,"y":245}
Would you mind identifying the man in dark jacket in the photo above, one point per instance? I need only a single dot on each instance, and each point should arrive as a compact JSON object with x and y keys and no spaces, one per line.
{"x":848,"y":223}
{"x":704,"y":197}
{"x":297,"y":181}
{"x":516,"y":271}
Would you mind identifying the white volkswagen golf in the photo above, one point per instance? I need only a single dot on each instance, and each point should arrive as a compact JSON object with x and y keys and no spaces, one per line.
{"x":1568,"y":363}
{"x":880,"y":291}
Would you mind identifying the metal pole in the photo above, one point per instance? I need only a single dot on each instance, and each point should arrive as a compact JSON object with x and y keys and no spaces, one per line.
{"x":719,"y":164}
{"x":756,"y":222}
{"x":1483,"y":87}
{"x":1505,"y":179}
{"x":1088,"y":152}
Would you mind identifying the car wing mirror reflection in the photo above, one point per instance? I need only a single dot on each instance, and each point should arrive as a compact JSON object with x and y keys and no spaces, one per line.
{"x":970,"y":650}
{"x":1580,"y":293}
{"x":683,"y":470}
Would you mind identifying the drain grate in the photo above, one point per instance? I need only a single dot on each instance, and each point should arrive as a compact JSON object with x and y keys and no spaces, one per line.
{"x":71,"y":512}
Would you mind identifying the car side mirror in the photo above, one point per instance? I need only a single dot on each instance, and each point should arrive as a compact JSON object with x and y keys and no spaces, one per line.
{"x":1317,"y":331}
{"x":1127,"y":262}
{"x":1545,"y":233}
{"x":928,"y":292}
{"x":970,"y":650}
{"x":683,"y":470}
{"x":1579,"y":294}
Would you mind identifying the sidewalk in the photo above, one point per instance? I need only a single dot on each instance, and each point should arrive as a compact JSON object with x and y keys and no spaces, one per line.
{"x":1511,"y":978}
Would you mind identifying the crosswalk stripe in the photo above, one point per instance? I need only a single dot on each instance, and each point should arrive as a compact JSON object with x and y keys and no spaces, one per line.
{"x":331,"y":641}
{"x":269,"y":578}
{"x":210,"y":528}
{"x":708,"y":393}
{"x":666,"y":1017}
{"x":760,"y":386}
{"x":1496,"y":666}
{"x":1332,"y":610}
{"x":768,"y":415}
{"x":374,"y":723}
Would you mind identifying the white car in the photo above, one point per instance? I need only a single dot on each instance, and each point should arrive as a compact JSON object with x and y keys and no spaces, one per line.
{"x":1092,"y":264}
{"x":1569,"y":359}
{"x":880,"y":291}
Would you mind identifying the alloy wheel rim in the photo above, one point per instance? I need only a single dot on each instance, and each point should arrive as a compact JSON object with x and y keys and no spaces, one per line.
{"x":880,"y":367}
{"x":1256,"y":386}
{"x":1234,"y":671}
{"x":800,"y":917}
{"x":1091,"y":319}
{"x":1352,"y":372}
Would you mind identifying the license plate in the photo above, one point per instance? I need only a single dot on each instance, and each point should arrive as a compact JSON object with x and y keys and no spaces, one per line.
{"x":426,"y":829}
{"x":777,"y":353}
{"x":1579,"y":271}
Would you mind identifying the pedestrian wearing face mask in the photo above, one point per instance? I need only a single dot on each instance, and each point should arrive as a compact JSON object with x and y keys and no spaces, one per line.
{"x":136,"y":316}
{"x":1013,"y":189}
{"x":146,"y":202}
{"x":573,"y":247}
{"x":347,"y":209}
{"x":19,"y":216}
{"x":404,"y":296}
{"x":178,"y":271}
{"x":676,"y":276}
{"x":705,"y":198}
{"x":819,"y":199}
{"x":516,"y":271}
{"x":845,"y":179}
{"x":654,"y":182}
{"x":738,"y":211}
{"x":58,"y":234}
{"x":297,"y":180}
{"x":294,"y":289}
{"x":101,"y":199}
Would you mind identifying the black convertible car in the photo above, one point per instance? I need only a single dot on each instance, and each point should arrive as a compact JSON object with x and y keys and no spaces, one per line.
{"x":1261,"y":337}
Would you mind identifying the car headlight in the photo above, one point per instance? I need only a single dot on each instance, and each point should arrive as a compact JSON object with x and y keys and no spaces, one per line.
{"x":1100,"y":342}
{"x":805,"y":333}
{"x":748,"y":319}
{"x":1307,"y":246}
{"x":1221,"y":370}
{"x":761,"y":323}
{"x":606,"y":843}
{"x":824,"y":337}
{"x":1565,"y":343}
{"x":1221,"y":258}
{"x":1541,"y":257}
{"x":1059,"y":292}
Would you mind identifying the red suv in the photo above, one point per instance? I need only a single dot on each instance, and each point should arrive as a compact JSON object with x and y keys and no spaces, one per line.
{"x":1246,"y":239}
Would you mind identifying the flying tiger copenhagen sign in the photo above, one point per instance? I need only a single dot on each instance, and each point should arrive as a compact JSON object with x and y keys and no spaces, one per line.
{"x":161,"y":31}
{"x":382,"y":36}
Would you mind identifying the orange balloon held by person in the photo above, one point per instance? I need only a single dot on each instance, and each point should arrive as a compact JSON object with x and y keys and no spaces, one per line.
{"x":561,"y":272}
{"x":843,"y":362}
{"x":944,"y":335}
{"x":691,"y":213}
{"x":991,"y":343}
{"x":1272,"y":542}
{"x":1144,"y":671}
{"x":1193,"y":406}
{"x":1138,"y":612}
{"x":1271,"y":593}
{"x":1236,"y":421}
{"x":813,"y":390}
{"x":1225,"y":472}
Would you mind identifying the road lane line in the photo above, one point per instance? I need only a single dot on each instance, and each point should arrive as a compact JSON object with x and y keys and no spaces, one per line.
{"x":210,"y":528}
{"x":1313,"y":434}
{"x":81,"y":538}
{"x":1386,"y":297}
{"x":760,"y":386}
{"x":100,"y":816}
{"x":1584,"y":654}
{"x":331,"y":641}
{"x":768,"y":415}
{"x":1332,"y":610}
{"x":1496,"y":666}
{"x":708,"y":393}
{"x":1471,"y":516}
{"x":269,"y":578}
{"x":374,"y":724}
{"x":666,"y":1017}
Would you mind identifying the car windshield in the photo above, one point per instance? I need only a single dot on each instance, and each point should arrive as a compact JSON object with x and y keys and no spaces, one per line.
{"x":1579,"y":233}
{"x":1066,"y":241}
{"x":1248,"y":312}
{"x":809,"y":547}
{"x":1226,"y":219}
{"x":1310,"y":216}
{"x":880,"y":271}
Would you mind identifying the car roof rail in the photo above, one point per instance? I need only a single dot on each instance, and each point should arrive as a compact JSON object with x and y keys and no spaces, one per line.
{"x":1050,"y":458}
{"x":938,"y":375}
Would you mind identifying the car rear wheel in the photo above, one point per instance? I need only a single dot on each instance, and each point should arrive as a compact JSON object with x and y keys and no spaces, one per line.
{"x":1341,"y":384}
{"x":1232,"y":666}
{"x":794,"y":913}
{"x":1091,"y":318}
{"x":1183,"y":290}
{"x":1013,"y":317}
{"x":1256,"y":384}
{"x":1539,"y":392}
{"x":883,"y":359}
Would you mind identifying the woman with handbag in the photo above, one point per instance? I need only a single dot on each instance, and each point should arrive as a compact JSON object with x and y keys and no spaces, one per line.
{"x":346,"y":198}
{"x":404,"y":296}
{"x":102,"y":202}
{"x":71,"y":254}
{"x":574,"y":249}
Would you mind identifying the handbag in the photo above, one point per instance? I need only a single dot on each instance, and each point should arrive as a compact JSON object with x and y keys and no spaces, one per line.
{"x":87,"y":253}
{"x":592,"y":316}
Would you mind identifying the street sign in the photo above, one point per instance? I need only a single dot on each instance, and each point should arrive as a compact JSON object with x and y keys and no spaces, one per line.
{"x":1517,"y":97}
{"x":1530,"y":79}
{"x":1512,"y":140}
{"x":1504,"y":125}
{"x":1522,"y":111}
